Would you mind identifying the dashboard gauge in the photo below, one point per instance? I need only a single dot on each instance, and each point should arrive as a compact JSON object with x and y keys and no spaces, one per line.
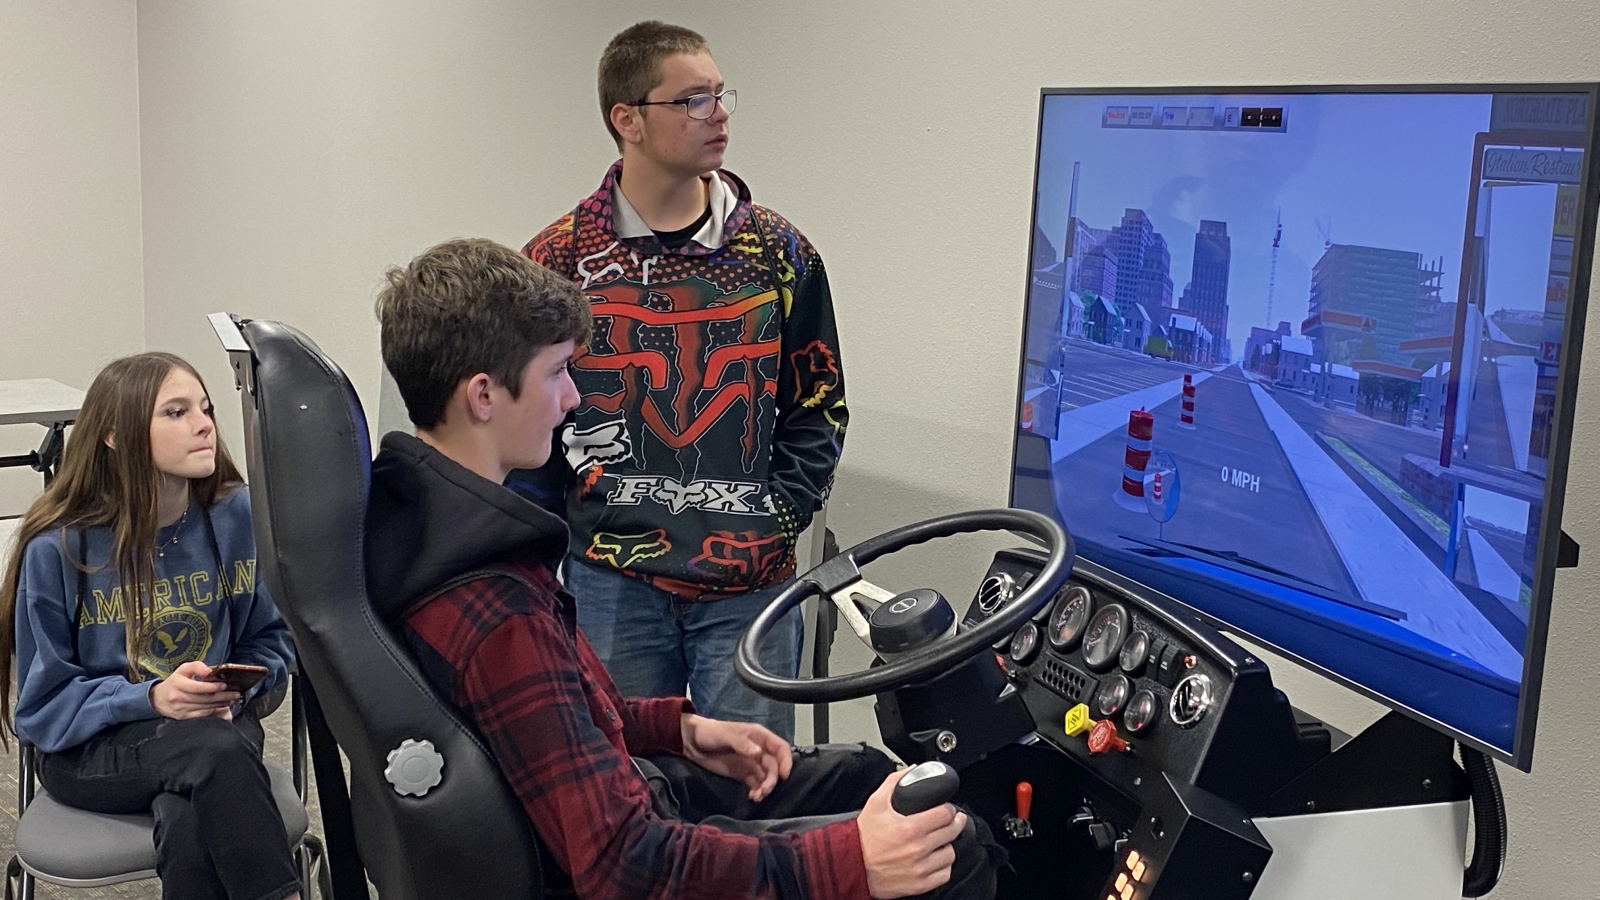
{"x":1103,"y":639}
{"x":1112,"y":695}
{"x":1132,"y":658}
{"x":1191,"y":699}
{"x":1025,"y":644}
{"x":1071,"y":614}
{"x":1141,"y":713}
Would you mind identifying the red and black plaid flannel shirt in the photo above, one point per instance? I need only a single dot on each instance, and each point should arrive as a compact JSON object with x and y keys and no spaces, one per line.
{"x":528,"y":680}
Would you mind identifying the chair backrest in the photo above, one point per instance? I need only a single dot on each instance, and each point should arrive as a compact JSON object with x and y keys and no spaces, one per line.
{"x":309,"y":459}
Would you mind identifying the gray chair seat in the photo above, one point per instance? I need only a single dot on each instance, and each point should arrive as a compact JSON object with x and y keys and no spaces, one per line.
{"x":72,"y":847}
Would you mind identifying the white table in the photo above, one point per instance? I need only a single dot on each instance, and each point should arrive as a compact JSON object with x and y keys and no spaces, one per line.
{"x":39,"y":401}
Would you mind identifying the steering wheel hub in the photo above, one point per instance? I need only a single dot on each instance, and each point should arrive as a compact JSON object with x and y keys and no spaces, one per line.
{"x":910,"y":620}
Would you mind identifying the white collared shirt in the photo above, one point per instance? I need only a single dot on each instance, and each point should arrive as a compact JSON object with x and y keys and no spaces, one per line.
{"x":722,"y":199}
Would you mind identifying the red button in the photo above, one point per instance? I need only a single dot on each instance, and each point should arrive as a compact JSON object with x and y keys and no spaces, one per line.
{"x":1103,"y":738}
{"x":1024,"y":799}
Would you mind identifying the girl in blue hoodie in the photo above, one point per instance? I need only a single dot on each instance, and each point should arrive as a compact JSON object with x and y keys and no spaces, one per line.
{"x":134,"y":575}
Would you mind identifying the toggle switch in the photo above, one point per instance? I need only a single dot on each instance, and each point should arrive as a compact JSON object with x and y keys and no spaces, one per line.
{"x":1018,"y":826}
{"x":1101,"y":832}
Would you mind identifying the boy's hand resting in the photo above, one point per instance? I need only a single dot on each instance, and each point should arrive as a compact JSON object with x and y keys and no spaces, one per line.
{"x":182,"y":695}
{"x":738,"y":750}
{"x":906,"y":855}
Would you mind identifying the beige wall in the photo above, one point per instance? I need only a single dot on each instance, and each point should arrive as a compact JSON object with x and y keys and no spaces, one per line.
{"x":293,"y":149}
{"x":71,"y":295}
{"x":296,"y":149}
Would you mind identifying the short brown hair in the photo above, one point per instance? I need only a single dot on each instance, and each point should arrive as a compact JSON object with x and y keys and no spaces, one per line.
{"x":630,"y":67}
{"x":467,"y":306}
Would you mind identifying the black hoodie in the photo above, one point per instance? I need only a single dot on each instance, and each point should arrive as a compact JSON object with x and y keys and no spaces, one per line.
{"x":430,"y":519}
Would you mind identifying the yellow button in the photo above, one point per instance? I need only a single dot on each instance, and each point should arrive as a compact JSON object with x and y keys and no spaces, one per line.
{"x":1122,"y":880}
{"x":1078,"y":721}
{"x":1138,"y":872}
{"x":1133,"y":859}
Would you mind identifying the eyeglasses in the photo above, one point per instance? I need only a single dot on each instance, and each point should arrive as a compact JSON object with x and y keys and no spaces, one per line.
{"x":699,"y":106}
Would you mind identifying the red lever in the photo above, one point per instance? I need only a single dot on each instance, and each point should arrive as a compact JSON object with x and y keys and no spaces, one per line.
{"x":1103,"y":738}
{"x":1024,"y":799}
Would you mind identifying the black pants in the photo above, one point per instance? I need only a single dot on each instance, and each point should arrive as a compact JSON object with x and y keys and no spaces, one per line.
{"x":218,"y":831}
{"x":829,"y":783}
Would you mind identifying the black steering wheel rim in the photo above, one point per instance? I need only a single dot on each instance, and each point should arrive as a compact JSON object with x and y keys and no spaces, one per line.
{"x":845,"y":569}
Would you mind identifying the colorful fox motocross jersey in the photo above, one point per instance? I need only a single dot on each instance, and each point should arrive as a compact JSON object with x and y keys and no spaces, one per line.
{"x":713,"y":409}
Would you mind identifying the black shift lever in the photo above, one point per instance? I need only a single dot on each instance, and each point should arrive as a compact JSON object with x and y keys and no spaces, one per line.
{"x":923,"y":787}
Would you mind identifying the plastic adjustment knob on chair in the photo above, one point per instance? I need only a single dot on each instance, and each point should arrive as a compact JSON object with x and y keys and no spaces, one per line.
{"x":924,"y":786}
{"x":415,"y":768}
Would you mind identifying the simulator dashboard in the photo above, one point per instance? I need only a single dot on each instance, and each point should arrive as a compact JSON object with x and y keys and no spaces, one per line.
{"x":1164,"y":751}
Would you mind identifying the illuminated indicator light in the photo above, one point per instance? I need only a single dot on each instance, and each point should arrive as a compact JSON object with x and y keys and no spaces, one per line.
{"x":1127,"y":893}
{"x":1138,"y":872}
{"x":1122,"y":880}
{"x":1078,"y":720}
{"x":1133,"y":859}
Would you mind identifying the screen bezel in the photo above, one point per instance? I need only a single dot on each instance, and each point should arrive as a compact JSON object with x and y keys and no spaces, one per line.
{"x":1521,"y":753}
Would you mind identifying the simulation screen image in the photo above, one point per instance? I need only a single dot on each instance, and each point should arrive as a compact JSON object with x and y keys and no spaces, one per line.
{"x":1293,"y":359}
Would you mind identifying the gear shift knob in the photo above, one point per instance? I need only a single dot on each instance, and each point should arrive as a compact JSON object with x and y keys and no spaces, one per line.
{"x":923,"y":787}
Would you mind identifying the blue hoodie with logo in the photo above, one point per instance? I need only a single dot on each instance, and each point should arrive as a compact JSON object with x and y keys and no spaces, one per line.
{"x":72,"y":660}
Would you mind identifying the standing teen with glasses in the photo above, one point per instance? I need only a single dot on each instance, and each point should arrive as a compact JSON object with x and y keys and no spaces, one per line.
{"x":712,"y":411}
{"x":134,"y":574}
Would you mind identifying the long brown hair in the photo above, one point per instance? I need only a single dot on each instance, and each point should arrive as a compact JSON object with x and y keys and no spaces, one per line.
{"x":98,"y":485}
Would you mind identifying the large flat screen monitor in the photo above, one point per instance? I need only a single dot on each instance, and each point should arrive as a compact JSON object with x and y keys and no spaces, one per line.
{"x":1306,"y":359}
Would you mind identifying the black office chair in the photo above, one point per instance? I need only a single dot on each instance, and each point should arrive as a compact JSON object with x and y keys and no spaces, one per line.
{"x":433,"y":818}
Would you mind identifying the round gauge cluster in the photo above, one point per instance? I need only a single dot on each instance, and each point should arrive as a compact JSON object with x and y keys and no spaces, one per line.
{"x":1069,"y":618}
{"x":1112,"y":695}
{"x":1132,"y":657}
{"x":1103,"y":639}
{"x":1120,"y":655}
{"x":1142,"y":712}
{"x":1025,"y":644}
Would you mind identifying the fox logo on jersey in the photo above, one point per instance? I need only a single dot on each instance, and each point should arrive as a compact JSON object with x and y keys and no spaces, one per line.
{"x":746,"y":556}
{"x":711,"y":495}
{"x":623,"y":550}
{"x":814,"y":364}
{"x":601,"y":445}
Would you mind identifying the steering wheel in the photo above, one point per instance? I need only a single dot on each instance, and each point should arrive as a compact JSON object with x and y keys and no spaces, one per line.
{"x":838,"y":578}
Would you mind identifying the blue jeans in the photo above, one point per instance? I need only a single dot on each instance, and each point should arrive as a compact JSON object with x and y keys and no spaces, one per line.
{"x":656,"y":644}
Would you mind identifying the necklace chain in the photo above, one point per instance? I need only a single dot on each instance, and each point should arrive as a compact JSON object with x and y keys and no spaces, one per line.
{"x":161,"y":550}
